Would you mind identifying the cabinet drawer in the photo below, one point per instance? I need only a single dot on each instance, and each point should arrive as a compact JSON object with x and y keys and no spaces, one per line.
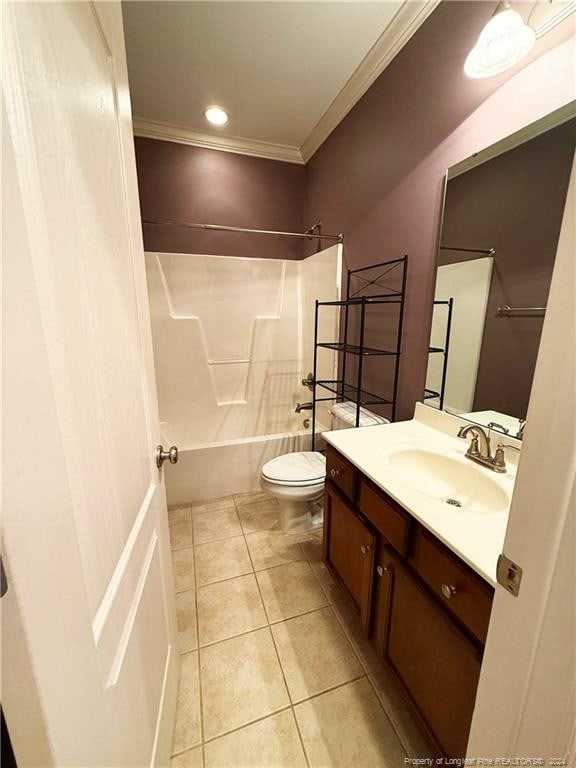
{"x":393,"y":523}
{"x":459,"y":588}
{"x":341,"y":473}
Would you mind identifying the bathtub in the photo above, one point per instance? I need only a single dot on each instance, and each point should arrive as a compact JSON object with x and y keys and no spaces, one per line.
{"x":211,"y":470}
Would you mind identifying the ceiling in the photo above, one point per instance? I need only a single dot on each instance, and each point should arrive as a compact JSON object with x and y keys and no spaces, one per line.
{"x":287,"y":72}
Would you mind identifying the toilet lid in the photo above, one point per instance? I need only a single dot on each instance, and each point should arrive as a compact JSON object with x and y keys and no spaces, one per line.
{"x":303,"y":468}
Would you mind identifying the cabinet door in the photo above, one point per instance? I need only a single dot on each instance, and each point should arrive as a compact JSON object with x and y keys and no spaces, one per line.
{"x":382,"y":598}
{"x":436,"y":663}
{"x":349,"y":550}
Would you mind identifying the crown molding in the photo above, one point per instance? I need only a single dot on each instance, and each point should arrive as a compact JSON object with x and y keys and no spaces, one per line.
{"x":545,"y":16}
{"x":409,"y":17}
{"x":407,"y":20}
{"x":167,"y":132}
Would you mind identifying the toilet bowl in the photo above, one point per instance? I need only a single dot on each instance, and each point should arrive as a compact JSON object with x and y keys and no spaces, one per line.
{"x":297,"y":479}
{"x":297,"y":482}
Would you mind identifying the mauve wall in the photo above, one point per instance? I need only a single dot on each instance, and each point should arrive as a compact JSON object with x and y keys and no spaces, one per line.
{"x":378,"y":177}
{"x":182,"y":183}
{"x":513,"y":203}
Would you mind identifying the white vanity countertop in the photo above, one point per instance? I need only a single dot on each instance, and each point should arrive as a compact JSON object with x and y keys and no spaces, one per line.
{"x":475,"y":535}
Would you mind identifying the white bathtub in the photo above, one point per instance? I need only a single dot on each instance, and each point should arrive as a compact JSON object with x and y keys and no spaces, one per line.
{"x":218,"y":469}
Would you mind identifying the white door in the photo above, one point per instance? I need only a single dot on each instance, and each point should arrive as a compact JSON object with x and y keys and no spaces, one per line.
{"x":526,"y":702}
{"x":89,"y":665}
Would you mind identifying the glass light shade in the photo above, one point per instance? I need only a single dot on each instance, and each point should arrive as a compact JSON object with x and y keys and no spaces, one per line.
{"x":216,"y":115}
{"x":503,"y":42}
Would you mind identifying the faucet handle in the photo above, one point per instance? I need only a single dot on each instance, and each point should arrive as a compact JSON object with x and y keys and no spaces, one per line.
{"x":495,"y":425}
{"x":498,"y":460}
{"x":309,"y":381}
{"x":474,"y":448}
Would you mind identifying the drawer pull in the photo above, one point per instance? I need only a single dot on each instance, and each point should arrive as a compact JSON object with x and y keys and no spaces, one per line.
{"x":382,"y":569}
{"x":365,"y":548}
{"x":448,"y":590}
{"x":334,"y":473}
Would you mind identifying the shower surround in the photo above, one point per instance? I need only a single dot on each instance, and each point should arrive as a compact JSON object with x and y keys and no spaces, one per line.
{"x":233,"y":337}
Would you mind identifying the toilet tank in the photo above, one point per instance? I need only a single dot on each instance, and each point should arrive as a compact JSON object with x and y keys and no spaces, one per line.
{"x":343,"y":416}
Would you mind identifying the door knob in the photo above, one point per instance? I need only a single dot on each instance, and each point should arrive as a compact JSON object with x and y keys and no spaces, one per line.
{"x":334,"y":473}
{"x":170,"y":455}
{"x":364,"y":548}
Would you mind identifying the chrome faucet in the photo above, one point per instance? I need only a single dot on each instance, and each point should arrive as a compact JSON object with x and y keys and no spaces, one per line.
{"x":478,"y":435}
{"x":303,"y":407}
{"x":480,"y":449}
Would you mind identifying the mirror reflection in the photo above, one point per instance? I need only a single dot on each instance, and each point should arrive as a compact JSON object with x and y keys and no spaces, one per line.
{"x":500,"y":227}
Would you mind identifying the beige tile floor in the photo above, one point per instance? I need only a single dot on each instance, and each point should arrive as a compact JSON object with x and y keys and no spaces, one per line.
{"x":275,"y":670}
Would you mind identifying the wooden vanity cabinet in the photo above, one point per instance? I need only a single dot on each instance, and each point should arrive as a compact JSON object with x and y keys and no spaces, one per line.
{"x":429,"y":637}
{"x":431,"y":659}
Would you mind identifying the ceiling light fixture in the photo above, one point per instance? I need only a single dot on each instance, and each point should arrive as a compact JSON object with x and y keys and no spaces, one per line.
{"x":216,"y":115}
{"x":503,"y":42}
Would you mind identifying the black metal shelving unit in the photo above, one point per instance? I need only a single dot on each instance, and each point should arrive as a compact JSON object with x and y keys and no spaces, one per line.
{"x":341,"y":389}
{"x":431,"y":394}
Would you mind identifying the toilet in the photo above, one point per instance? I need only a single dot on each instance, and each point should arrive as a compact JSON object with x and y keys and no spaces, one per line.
{"x":297,"y":479}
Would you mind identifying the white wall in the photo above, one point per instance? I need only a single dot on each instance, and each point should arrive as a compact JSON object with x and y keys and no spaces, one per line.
{"x":232,"y":339}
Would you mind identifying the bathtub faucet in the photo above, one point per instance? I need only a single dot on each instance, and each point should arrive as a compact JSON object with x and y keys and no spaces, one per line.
{"x":303,"y":407}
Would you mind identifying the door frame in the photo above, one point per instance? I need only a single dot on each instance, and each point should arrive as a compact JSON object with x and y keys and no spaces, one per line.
{"x":526,"y":701}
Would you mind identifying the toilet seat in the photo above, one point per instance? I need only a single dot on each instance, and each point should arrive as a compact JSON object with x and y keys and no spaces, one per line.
{"x":302,"y":469}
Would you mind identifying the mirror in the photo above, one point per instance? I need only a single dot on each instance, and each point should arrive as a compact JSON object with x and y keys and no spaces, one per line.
{"x":500,"y":226}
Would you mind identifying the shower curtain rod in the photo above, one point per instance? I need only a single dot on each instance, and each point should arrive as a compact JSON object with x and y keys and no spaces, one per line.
{"x":489,"y":251}
{"x":310,"y":234}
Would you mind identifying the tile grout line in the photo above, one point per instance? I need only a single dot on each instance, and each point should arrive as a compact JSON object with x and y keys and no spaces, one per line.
{"x":197,"y":650}
{"x":200,"y":700}
{"x":359,"y":656}
{"x":306,"y":758}
{"x":263,"y":626}
{"x":286,"y":708}
{"x":340,"y":622}
{"x":388,"y":717}
{"x":237,"y":728}
{"x":331,"y":689}
{"x":368,"y":674}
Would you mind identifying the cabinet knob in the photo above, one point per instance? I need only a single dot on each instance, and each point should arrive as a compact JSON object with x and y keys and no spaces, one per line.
{"x":382,"y":569}
{"x":364,"y":548}
{"x":448,"y":590}
{"x":334,"y":473}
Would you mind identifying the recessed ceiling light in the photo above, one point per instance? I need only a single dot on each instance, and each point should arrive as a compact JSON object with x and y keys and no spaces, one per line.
{"x":504,"y":41}
{"x":216,"y":115}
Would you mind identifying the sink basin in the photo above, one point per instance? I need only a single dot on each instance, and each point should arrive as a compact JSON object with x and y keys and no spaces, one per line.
{"x":449,"y":480}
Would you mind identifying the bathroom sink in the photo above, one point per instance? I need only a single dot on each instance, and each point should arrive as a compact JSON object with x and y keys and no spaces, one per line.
{"x":449,"y":480}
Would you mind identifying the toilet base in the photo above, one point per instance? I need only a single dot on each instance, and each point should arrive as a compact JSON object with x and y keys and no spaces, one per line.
{"x":300,"y":516}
